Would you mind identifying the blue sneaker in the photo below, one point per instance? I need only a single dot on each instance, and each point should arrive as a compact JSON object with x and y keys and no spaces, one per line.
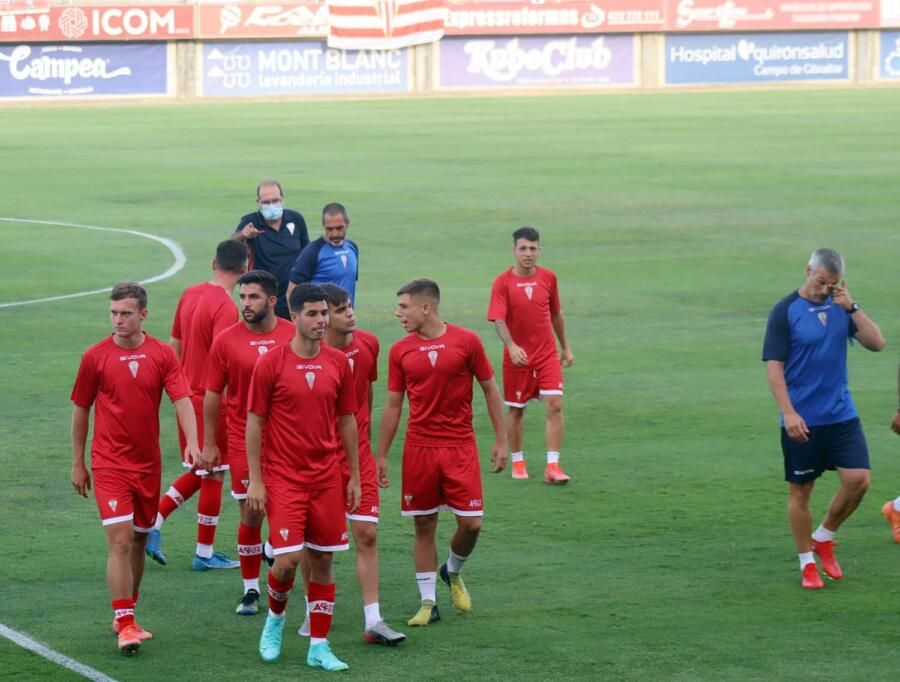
{"x":154,"y":547}
{"x":217,"y":560}
{"x":320,"y":656}
{"x":270,"y":640}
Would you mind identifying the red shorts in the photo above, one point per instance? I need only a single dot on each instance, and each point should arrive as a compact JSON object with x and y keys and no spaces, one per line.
{"x":306,"y":518}
{"x":521,"y":384}
{"x":221,"y":437}
{"x":127,"y":496}
{"x":436,"y":476}
{"x":238,"y":470}
{"x":368,"y":481}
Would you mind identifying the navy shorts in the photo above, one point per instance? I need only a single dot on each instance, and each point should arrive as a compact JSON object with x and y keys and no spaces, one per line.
{"x":830,"y":446}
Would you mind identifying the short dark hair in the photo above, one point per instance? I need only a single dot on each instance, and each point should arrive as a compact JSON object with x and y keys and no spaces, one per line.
{"x":129,"y":289}
{"x":266,"y":183}
{"x":427,"y":287}
{"x":265,"y":279}
{"x":335,"y":295}
{"x":334,"y":208}
{"x":231,"y":255}
{"x":528,"y":233}
{"x":303,"y":294}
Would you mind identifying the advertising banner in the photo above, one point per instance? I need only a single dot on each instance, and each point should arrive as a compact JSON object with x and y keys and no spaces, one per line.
{"x":770,"y":15}
{"x":83,"y":70}
{"x":288,"y":68}
{"x":756,"y":57}
{"x":276,"y":20}
{"x":890,"y":55}
{"x":521,"y":17}
{"x":537,"y":61}
{"x":81,"y":24}
{"x":890,"y":13}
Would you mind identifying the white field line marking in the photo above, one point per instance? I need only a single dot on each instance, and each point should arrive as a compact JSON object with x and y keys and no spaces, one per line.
{"x":173,"y":247}
{"x":51,"y":655}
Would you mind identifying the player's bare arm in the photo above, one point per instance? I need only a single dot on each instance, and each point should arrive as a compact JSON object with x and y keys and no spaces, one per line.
{"x":390,"y":420}
{"x":499,"y":450}
{"x":793,"y":423}
{"x":350,"y":441}
{"x":256,"y":491}
{"x":210,"y":456}
{"x":81,"y":479}
{"x":516,"y":353}
{"x":184,"y":411}
{"x":248,"y":231}
{"x":176,"y":346}
{"x":559,"y":328}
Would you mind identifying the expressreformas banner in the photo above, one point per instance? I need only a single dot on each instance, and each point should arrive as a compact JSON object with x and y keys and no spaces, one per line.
{"x":757,"y":57}
{"x":537,"y":61}
{"x":81,"y":24}
{"x":285,"y":68}
{"x":83,"y":70}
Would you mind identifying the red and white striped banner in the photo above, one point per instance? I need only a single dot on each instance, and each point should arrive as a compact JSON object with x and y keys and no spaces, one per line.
{"x":384,"y":24}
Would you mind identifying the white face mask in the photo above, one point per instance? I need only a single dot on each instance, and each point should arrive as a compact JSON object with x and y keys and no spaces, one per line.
{"x":272,"y":211}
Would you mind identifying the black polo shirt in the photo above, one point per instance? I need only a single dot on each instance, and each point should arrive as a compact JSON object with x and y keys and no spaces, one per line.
{"x":276,"y":250}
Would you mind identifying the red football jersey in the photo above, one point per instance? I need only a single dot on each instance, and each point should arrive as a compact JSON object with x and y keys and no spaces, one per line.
{"x":203,"y":311}
{"x":301,"y":400}
{"x":127,"y":384}
{"x":525,"y":304}
{"x":437,"y":376}
{"x":362,"y":355}
{"x":232,"y":358}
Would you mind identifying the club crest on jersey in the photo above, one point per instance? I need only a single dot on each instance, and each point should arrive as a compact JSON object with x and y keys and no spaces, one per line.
{"x":352,"y":364}
{"x":344,"y":260}
{"x":262,"y":350}
{"x":529,"y":290}
{"x":284,"y":534}
{"x":823,"y":318}
{"x":290,"y":227}
{"x":407,"y":499}
{"x":310,"y":379}
{"x":432,"y":357}
{"x":113,"y":504}
{"x":133,"y":367}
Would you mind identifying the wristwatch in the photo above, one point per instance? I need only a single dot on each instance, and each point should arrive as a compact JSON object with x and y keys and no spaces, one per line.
{"x":854,"y":307}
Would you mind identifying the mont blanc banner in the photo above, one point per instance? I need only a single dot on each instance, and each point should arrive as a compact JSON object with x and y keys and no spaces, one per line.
{"x":757,"y":57}
{"x":384,"y":24}
{"x":291,"y":68}
{"x":537,"y":61}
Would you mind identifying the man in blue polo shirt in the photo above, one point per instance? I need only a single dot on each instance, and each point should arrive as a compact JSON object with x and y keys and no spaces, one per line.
{"x":276,"y":235}
{"x":805,"y":351}
{"x":331,"y":259}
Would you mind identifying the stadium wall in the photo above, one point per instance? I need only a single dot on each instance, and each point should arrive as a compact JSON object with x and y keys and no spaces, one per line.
{"x":193,"y":51}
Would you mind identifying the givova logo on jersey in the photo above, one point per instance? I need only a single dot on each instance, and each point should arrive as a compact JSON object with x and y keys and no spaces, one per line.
{"x":133,"y":364}
{"x":432,"y":351}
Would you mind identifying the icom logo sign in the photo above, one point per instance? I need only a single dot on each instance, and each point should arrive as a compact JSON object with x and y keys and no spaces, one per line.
{"x":121,"y":22}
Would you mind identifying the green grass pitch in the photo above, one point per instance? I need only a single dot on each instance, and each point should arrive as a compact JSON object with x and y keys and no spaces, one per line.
{"x":675,"y":221}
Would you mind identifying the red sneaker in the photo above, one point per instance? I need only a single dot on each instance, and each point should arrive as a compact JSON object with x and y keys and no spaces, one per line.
{"x":129,"y":639}
{"x":893,"y":518}
{"x":811,"y":578}
{"x":553,"y":474}
{"x":518,"y":470}
{"x":825,"y":550}
{"x":142,"y":633}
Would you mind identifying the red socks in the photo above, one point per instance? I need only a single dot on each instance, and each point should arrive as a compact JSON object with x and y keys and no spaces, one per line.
{"x":182,"y":489}
{"x":279,"y":591}
{"x":208,"y":508}
{"x":321,"y":608}
{"x":249,"y":551}
{"x":123,"y":611}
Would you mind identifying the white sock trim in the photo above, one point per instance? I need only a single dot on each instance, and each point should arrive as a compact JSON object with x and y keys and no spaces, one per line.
{"x":427,"y":585}
{"x":552,"y":457}
{"x":806,"y":558}
{"x":822,"y":534}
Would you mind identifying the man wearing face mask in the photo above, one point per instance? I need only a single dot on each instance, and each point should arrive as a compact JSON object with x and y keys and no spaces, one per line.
{"x":275,"y":235}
